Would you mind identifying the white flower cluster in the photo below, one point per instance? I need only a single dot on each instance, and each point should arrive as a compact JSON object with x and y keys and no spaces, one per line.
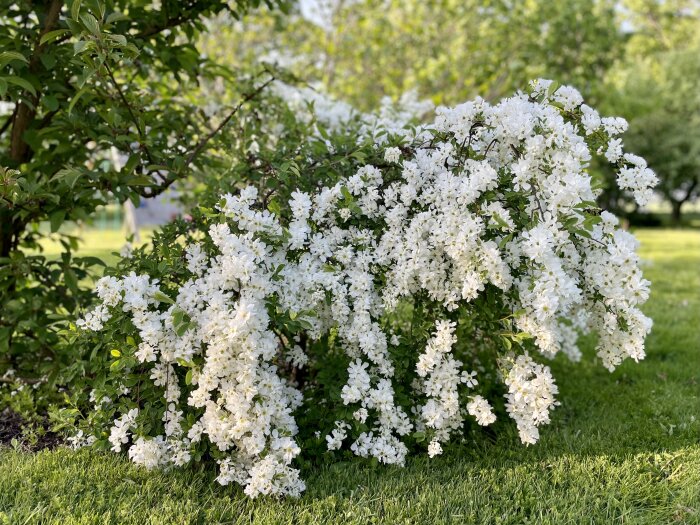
{"x":490,"y":205}
{"x":392,"y":116}
{"x":440,"y":377}
{"x":220,"y":314}
{"x":530,"y":397}
{"x":121,"y":430}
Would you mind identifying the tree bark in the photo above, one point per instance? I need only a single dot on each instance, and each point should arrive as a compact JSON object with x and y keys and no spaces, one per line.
{"x":24,"y":114}
{"x":676,"y":212}
{"x":21,"y":119}
{"x":677,"y":204}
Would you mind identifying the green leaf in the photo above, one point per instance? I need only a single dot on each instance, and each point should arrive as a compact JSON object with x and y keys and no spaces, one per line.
{"x":118,"y":39}
{"x":48,"y":59}
{"x":52,"y":35}
{"x":116,"y":353}
{"x":359,"y":155}
{"x":90,"y":261}
{"x":74,"y":26}
{"x":51,"y":103}
{"x":131,"y":163}
{"x":56,"y":219}
{"x":81,"y":46}
{"x":160,"y":296}
{"x":76,"y":97}
{"x":116,"y":17}
{"x":553,"y":88}
{"x":91,"y":23}
{"x":501,"y":223}
{"x":181,"y":328}
{"x":306,"y":325}
{"x":583,"y":233}
{"x":156,"y":167}
{"x":591,"y":221}
{"x":188,"y":377}
{"x":181,"y":322}
{"x":71,"y":280}
{"x":139,"y":181}
{"x":21,"y":82}
{"x":68,"y":175}
{"x":8,"y":56}
{"x":274,"y":207}
{"x":75,"y":9}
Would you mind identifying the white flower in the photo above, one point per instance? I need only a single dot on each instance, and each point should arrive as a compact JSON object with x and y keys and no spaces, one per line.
{"x":614,"y":151}
{"x":126,"y":251}
{"x":568,"y":97}
{"x":334,"y":440}
{"x":392,"y":155}
{"x":530,"y":398}
{"x":150,"y":453}
{"x":480,"y":409}
{"x":434,"y":448}
{"x":119,"y":434}
{"x":95,"y":319}
{"x":145,"y":353}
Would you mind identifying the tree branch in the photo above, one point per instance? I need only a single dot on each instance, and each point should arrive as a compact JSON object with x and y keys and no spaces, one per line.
{"x":205,"y":140}
{"x":690,"y":191}
{"x":154,"y":30}
{"x":174,"y":21}
{"x":247,"y":98}
{"x":126,"y":103}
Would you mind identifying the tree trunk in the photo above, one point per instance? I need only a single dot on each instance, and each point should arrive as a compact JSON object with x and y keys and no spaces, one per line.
{"x":24,"y":114}
{"x":676,"y":212}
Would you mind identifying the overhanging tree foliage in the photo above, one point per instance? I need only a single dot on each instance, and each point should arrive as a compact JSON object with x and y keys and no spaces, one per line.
{"x":78,"y":79}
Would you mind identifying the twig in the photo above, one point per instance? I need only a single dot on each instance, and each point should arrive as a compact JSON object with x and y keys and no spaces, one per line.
{"x":29,"y":381}
{"x":489,"y":146}
{"x":130,"y":110}
{"x":202,"y":143}
{"x":168,"y":181}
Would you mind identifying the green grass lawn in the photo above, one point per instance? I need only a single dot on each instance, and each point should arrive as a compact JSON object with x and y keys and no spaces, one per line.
{"x":98,"y":243}
{"x":622,"y":448}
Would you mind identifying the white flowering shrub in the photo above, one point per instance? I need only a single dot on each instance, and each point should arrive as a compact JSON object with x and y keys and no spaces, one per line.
{"x":377,"y":314}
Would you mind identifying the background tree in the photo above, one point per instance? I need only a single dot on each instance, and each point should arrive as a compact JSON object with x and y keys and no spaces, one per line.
{"x":656,"y":87}
{"x":449,"y":50}
{"x":665,"y":124}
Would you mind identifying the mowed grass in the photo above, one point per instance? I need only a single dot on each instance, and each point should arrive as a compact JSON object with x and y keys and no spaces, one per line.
{"x":622,"y":448}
